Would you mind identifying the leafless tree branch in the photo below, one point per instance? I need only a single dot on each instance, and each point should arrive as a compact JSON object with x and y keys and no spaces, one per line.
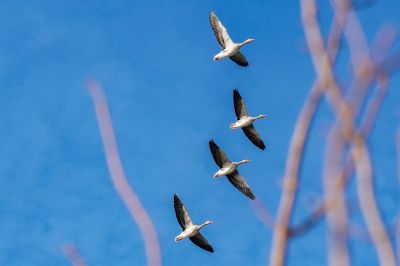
{"x":119,"y":179}
{"x":73,"y":254}
{"x":293,"y":162}
{"x":359,"y":151}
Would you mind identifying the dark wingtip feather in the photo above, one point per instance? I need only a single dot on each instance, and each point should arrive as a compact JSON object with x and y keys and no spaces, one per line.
{"x":251,"y":196}
{"x":211,"y":142}
{"x":176,"y":198}
{"x":262,"y":146}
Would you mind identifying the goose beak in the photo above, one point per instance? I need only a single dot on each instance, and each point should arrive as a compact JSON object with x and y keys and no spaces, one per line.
{"x":177,"y":239}
{"x":216,"y":58}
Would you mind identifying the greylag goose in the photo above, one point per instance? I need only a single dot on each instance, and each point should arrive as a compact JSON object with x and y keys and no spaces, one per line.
{"x":189,"y":229}
{"x":245,"y":122}
{"x":229,"y":48}
{"x":229,"y":169}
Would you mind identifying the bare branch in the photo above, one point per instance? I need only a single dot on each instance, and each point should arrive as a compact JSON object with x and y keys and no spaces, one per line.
{"x":263,"y":214}
{"x":294,"y":159}
{"x":120,"y":182}
{"x":73,"y":254}
{"x":359,"y":151}
{"x":326,"y":205}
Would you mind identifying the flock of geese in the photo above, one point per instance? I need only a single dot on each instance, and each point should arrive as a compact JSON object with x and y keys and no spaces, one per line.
{"x":226,"y":167}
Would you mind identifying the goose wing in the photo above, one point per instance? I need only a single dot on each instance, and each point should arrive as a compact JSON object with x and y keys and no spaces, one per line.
{"x":181,"y":213}
{"x":253,"y":136}
{"x":201,"y":241}
{"x":220,"y":31}
{"x":238,"y":181}
{"x":240,"y":107}
{"x":239,"y":59}
{"x":218,"y":154}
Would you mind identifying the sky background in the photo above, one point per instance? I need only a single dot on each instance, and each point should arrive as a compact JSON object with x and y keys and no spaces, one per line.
{"x":167,"y":99}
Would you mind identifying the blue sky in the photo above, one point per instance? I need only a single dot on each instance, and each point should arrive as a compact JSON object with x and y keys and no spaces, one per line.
{"x":167,"y":99}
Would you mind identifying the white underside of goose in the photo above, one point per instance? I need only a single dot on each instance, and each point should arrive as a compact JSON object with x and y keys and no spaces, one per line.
{"x":188,"y":232}
{"x":227,"y":52}
{"x":226,"y":170}
{"x":243,"y":122}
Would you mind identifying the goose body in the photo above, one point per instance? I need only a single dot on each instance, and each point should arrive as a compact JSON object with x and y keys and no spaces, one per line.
{"x":245,"y":122}
{"x":190,"y":230}
{"x":229,"y":48}
{"x":229,"y":169}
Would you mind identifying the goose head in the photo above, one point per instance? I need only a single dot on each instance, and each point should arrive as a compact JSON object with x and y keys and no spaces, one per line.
{"x":242,"y":162}
{"x":216,"y":58}
{"x":261,"y":116}
{"x":247,"y":41}
{"x":208,"y":222}
{"x":205,"y":223}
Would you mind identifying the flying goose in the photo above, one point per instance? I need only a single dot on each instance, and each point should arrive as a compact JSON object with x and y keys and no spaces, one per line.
{"x":229,"y":169}
{"x":245,"y":122}
{"x":189,"y":229}
{"x":229,"y":48}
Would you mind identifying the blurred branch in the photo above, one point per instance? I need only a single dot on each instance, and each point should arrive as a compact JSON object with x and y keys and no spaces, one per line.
{"x":398,"y":154}
{"x":324,"y":206}
{"x":263,"y":214}
{"x":119,"y":179}
{"x":384,"y":38}
{"x":397,"y":223}
{"x":295,"y":153}
{"x":359,"y":151}
{"x":73,"y":254}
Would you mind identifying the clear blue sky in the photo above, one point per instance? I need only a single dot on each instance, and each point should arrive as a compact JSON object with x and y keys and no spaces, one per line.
{"x":168,"y":98}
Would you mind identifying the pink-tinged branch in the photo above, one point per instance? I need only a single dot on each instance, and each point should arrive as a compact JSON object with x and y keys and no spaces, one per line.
{"x":397,"y":238}
{"x":326,"y":205}
{"x":263,"y":214}
{"x":120,"y":182}
{"x":398,"y":154}
{"x":295,"y":155}
{"x":294,"y":159}
{"x":397,"y":225}
{"x":358,"y":149}
{"x":73,"y":254}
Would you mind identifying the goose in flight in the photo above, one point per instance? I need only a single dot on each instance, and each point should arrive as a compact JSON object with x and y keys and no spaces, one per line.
{"x":189,"y":229}
{"x":245,"y":122}
{"x":229,"y":48}
{"x":229,"y":169}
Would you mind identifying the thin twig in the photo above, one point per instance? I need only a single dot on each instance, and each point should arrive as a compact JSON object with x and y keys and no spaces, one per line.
{"x":73,"y":254}
{"x":263,"y":214}
{"x":120,"y":182}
